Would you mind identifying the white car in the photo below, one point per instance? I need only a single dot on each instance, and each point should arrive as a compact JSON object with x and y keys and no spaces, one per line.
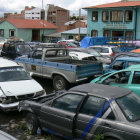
{"x":16,"y":85}
{"x":81,"y":56}
{"x":69,"y":41}
{"x":106,"y":50}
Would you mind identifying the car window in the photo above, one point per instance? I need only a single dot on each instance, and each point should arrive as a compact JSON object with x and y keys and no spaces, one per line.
{"x":118,"y":65}
{"x":133,"y":63}
{"x":68,"y":102}
{"x":130,"y":106}
{"x":136,"y":78}
{"x":11,"y":48}
{"x":92,"y":105}
{"x":5,"y":48}
{"x":97,"y":49}
{"x":118,"y":78}
{"x":111,"y":116}
{"x":74,"y":57}
{"x":56,"y":53}
{"x":37,"y":54}
{"x":105,"y":50}
{"x":116,"y":50}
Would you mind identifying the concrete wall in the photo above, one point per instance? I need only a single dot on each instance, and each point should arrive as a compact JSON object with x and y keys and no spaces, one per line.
{"x":100,"y":25}
{"x":25,"y":34}
{"x":7,"y":26}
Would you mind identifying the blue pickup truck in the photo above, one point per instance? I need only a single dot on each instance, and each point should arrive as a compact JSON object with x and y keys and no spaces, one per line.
{"x":56,"y":64}
{"x":121,"y":63}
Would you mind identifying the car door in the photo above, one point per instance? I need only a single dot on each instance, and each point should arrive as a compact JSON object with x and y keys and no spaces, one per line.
{"x":91,"y":107}
{"x":60,"y":115}
{"x":116,"y":65}
{"x":105,"y":52}
{"x":121,"y":79}
{"x":35,"y":63}
{"x":135,"y":82}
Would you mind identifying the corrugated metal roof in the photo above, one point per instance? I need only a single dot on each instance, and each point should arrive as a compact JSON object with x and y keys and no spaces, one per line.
{"x":117,"y":4}
{"x":70,"y":22}
{"x":31,"y":23}
{"x":76,"y":31}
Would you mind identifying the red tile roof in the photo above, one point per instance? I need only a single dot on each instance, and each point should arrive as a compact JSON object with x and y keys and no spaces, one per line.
{"x":31,"y":23}
{"x":117,"y":4}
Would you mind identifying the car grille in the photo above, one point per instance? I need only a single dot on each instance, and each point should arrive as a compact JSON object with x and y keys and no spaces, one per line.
{"x":23,"y":97}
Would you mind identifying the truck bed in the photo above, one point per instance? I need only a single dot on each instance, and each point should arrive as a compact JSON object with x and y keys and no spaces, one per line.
{"x":75,"y":62}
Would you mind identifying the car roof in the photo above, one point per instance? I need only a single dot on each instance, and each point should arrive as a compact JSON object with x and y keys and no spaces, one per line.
{"x":7,"y":63}
{"x":101,"y":90}
{"x":129,"y":58}
{"x":134,"y":67}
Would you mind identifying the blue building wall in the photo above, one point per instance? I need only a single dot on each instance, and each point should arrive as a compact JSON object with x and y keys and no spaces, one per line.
{"x":100,"y":25}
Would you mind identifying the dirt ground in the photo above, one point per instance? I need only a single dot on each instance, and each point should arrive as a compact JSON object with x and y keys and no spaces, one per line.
{"x":14,"y":122}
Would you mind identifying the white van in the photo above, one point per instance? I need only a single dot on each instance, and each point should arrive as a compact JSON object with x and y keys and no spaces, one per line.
{"x":16,"y":85}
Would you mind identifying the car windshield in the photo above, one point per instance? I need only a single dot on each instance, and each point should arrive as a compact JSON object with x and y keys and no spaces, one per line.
{"x":130,"y":106}
{"x":13,"y":74}
{"x":71,"y":45}
{"x":23,"y":48}
{"x":103,"y":76}
{"x":95,"y":53}
{"x":116,"y":50}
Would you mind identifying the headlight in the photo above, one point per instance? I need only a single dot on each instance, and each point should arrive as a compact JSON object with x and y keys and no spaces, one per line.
{"x":40,"y":93}
{"x":7,"y":100}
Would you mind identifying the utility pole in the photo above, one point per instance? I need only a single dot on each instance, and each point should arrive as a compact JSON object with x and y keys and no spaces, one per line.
{"x":42,"y":14}
{"x":79,"y":24}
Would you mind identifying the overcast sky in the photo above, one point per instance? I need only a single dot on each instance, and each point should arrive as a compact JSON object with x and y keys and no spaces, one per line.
{"x":72,"y":5}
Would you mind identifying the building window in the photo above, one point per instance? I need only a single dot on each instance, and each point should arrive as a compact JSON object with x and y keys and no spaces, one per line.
{"x":11,"y":32}
{"x":1,"y":32}
{"x":32,"y":13}
{"x":116,"y":15}
{"x":32,"y":17}
{"x":105,"y":15}
{"x":128,"y":15}
{"x":107,"y":34}
{"x":129,"y":35}
{"x":95,"y":16}
{"x":94,"y":33}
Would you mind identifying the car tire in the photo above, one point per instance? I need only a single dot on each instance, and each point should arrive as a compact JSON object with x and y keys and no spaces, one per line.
{"x":31,"y":123}
{"x":59,"y":83}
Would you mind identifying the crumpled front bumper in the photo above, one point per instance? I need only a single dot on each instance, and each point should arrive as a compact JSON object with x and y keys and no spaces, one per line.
{"x":14,"y":106}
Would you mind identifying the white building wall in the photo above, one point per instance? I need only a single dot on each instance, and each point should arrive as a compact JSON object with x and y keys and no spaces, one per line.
{"x":34,"y":13}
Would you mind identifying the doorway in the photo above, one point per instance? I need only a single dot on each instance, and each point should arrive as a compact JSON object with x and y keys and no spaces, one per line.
{"x":35,"y":35}
{"x":117,"y":34}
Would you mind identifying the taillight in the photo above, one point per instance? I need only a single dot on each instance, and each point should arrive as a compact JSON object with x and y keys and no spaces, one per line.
{"x":112,"y":54}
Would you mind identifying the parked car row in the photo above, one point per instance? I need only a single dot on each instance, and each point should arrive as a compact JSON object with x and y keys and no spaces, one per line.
{"x":109,"y":105}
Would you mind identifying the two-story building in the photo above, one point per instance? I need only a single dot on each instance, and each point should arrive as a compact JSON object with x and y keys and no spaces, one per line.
{"x":119,"y":19}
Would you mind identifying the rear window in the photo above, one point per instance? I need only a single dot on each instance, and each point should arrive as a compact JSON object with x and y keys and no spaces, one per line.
{"x":116,"y":50}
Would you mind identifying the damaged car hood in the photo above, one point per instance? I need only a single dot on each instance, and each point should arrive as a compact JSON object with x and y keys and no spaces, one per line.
{"x":14,"y":88}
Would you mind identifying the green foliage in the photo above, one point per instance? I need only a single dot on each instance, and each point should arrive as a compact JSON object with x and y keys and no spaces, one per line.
{"x":21,"y":126}
{"x":99,"y":137}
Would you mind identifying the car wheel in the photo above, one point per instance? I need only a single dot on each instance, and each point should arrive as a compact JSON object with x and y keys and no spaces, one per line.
{"x":59,"y":83}
{"x":32,"y":123}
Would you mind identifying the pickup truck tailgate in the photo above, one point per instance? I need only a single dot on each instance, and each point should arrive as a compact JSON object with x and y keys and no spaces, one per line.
{"x":89,"y":70}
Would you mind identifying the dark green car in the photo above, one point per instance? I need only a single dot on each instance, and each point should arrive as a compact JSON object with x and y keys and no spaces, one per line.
{"x":128,"y":78}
